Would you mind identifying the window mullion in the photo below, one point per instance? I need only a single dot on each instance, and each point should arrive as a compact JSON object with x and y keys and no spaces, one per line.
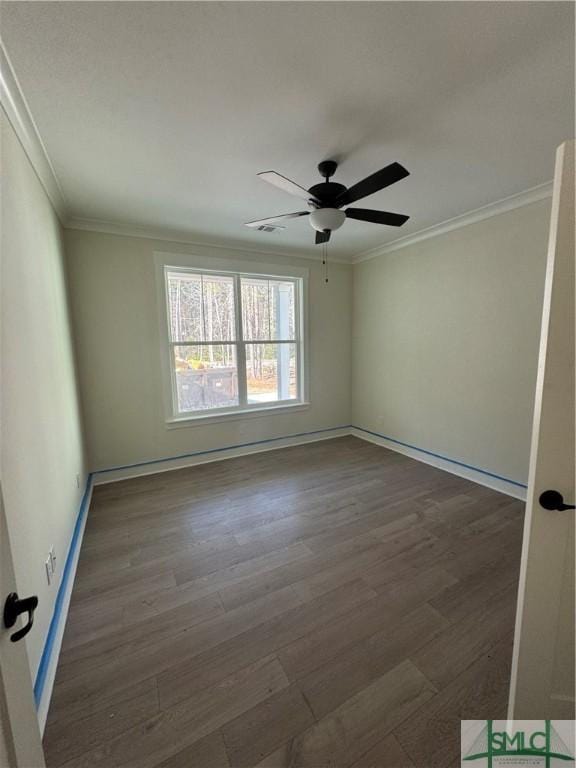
{"x":240,"y":346}
{"x":298,"y":337}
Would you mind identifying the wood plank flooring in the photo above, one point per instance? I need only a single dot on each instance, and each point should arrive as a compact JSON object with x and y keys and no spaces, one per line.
{"x":333,"y":604}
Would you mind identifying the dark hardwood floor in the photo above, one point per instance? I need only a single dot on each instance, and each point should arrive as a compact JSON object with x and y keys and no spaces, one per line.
{"x":333,"y":604}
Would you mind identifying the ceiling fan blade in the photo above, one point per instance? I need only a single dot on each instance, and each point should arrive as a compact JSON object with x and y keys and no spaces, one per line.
{"x":322,"y":237}
{"x":374,"y":183}
{"x":377,"y":217}
{"x":288,"y":186}
{"x":274,"y":219}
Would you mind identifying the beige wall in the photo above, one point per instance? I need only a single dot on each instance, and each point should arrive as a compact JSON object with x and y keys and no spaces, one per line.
{"x":114,"y":305}
{"x":41,"y":443}
{"x":443,"y":352}
{"x":445,"y":341}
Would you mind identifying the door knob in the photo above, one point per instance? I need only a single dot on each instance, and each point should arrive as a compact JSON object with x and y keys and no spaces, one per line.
{"x":13,"y":607}
{"x":554,"y":500}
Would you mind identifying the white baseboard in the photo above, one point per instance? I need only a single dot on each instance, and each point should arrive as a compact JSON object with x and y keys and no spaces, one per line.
{"x":448,"y":465}
{"x":49,"y":661}
{"x":482,"y":477}
{"x":114,"y":474}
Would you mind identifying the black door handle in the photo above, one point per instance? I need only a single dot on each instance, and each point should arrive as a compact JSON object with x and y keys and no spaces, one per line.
{"x":13,"y":607}
{"x":554,"y":500}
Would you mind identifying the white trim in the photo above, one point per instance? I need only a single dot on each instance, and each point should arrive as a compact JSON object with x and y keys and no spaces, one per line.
{"x":102,"y":477}
{"x":20,"y":118}
{"x":518,"y":200}
{"x":44,"y":703}
{"x":274,"y":409}
{"x":207,"y":262}
{"x":529,"y":196}
{"x":112,"y":475}
{"x":187,"y":238}
{"x":444,"y":464}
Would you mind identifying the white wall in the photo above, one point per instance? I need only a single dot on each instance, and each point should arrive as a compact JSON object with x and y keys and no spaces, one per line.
{"x":41,"y":440}
{"x":445,"y":340}
{"x":114,"y":306}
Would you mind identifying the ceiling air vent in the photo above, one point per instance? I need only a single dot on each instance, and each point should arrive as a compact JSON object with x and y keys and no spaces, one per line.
{"x":268,"y":228}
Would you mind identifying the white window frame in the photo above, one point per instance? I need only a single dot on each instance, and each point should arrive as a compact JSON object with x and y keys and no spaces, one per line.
{"x":237,"y":269}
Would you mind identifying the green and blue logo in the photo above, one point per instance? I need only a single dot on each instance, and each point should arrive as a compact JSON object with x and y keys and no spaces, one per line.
{"x":534,"y":739}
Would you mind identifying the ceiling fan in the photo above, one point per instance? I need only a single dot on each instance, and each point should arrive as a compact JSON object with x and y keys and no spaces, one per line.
{"x":328,"y":198}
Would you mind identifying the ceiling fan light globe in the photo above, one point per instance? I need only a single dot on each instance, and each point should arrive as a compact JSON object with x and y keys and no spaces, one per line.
{"x":323,"y":219}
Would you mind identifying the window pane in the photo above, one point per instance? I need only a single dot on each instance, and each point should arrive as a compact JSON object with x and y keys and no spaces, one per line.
{"x":267,"y":309}
{"x":201,"y":307}
{"x":218,"y":308}
{"x":255,"y":309}
{"x":206,"y":377}
{"x":281,"y":297}
{"x":271,"y":372}
{"x":185,"y":306}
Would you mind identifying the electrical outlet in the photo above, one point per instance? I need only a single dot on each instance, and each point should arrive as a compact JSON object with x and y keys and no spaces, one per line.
{"x":48,"y":565}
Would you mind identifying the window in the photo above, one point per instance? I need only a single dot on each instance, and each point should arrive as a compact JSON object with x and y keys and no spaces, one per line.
{"x":235,"y":341}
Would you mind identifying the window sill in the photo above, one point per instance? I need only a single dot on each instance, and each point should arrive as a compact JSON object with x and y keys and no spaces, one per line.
{"x":241,"y":415}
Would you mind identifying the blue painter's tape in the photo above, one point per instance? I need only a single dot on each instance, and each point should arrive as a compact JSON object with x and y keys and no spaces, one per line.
{"x":219,"y":450}
{"x":444,"y":458}
{"x":53,"y":629}
{"x":304,"y":434}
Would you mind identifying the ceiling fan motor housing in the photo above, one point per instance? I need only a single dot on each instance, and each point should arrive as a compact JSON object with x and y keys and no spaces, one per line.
{"x":328,"y":192}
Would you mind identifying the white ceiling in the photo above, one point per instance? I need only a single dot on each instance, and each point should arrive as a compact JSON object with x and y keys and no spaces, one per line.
{"x":161,"y":114}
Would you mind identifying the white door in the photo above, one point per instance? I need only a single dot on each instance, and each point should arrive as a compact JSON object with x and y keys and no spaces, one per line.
{"x":20,"y":744}
{"x":542,"y":684}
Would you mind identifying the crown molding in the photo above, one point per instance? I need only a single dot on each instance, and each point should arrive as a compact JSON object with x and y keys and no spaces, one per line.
{"x":528,"y":196}
{"x":20,"y":118}
{"x":176,"y":236}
